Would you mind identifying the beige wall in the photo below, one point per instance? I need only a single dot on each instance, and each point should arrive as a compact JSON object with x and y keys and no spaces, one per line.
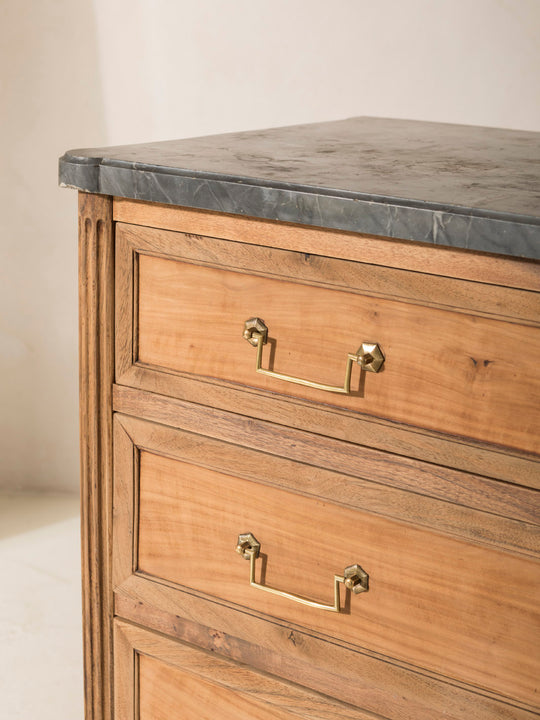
{"x":76,"y":73}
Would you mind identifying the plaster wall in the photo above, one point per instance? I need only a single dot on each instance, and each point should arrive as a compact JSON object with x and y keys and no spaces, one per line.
{"x":76,"y":73}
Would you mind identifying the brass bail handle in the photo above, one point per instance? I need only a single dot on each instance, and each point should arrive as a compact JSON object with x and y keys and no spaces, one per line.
{"x":354,"y":578}
{"x":369,"y":356}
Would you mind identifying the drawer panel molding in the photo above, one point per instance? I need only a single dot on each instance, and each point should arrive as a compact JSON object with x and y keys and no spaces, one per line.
{"x":417,"y":576}
{"x":361,"y":434}
{"x":447,"y":369}
{"x":392,"y":690}
{"x":157,"y":678}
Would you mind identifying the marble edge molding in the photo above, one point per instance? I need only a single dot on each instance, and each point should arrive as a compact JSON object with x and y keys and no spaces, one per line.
{"x":442,"y":225}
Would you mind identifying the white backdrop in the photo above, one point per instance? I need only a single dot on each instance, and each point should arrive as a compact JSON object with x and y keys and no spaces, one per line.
{"x":77,"y":73}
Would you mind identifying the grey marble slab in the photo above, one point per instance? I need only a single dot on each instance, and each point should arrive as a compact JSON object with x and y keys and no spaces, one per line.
{"x":468,"y":187}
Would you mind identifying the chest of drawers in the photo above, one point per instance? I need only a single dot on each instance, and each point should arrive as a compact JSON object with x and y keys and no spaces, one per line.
{"x":310,"y":406}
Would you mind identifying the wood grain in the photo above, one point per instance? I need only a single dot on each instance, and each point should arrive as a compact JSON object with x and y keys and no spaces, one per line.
{"x":475,"y":524}
{"x":360,"y":677}
{"x":435,"y":481}
{"x":447,"y":372}
{"x":167,"y":692}
{"x":173,"y":681}
{"x":96,"y":341}
{"x":361,"y":430}
{"x":448,"y":262}
{"x":363,"y":278}
{"x":169,"y":610}
{"x":433,"y":601}
{"x":353,"y":426}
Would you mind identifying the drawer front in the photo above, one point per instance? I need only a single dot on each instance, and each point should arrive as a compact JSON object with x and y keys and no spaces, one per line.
{"x":441,"y":603}
{"x":159,"y":679}
{"x":446,"y":371}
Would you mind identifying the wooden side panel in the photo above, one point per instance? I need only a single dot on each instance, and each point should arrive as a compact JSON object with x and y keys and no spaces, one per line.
{"x":438,"y":603}
{"x":445,"y":371}
{"x":96,"y":293}
{"x":159,"y":679}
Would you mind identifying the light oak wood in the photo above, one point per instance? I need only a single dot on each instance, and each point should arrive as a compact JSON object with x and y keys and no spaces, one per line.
{"x":180,"y":509}
{"x":487,"y":513}
{"x":365,"y":678}
{"x":167,"y":692}
{"x":351,"y":426}
{"x":395,"y":470}
{"x":159,"y":679}
{"x":96,"y":342}
{"x":370,"y":680}
{"x":456,"y":385}
{"x":328,"y":424}
{"x":362,"y":678}
{"x":190,"y":320}
{"x":448,"y":262}
{"x":434,"y":602}
{"x":449,"y":627}
{"x":448,"y":293}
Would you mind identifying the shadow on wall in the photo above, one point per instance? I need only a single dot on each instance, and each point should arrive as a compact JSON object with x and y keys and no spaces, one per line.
{"x":51,"y":99}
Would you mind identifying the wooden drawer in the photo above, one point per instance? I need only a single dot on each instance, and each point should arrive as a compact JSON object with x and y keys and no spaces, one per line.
{"x":461,"y":603}
{"x":460,"y":356}
{"x":158,"y":679}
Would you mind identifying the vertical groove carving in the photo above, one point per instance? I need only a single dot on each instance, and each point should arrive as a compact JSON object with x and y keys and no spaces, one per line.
{"x":96,"y":366}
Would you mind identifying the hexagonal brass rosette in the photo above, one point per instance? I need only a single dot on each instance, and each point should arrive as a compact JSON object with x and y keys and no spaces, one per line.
{"x":245,"y":542}
{"x":254,"y":331}
{"x":370,"y":357}
{"x":356,"y":579}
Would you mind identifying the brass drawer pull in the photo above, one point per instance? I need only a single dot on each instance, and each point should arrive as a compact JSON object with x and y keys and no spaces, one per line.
{"x":369,"y":356}
{"x":354,"y":578}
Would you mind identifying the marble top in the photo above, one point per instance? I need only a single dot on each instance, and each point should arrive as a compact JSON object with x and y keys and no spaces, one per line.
{"x":469,"y":187}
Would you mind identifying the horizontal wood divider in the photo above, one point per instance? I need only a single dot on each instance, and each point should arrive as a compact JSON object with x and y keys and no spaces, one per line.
{"x":406,"y":474}
{"x":491,"y":461}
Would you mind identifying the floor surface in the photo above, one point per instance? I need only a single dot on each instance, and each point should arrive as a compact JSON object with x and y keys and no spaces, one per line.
{"x":41,"y":675}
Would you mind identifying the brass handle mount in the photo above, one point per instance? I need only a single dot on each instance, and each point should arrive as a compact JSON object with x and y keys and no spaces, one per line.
{"x":354,"y":578}
{"x":369,"y":356}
